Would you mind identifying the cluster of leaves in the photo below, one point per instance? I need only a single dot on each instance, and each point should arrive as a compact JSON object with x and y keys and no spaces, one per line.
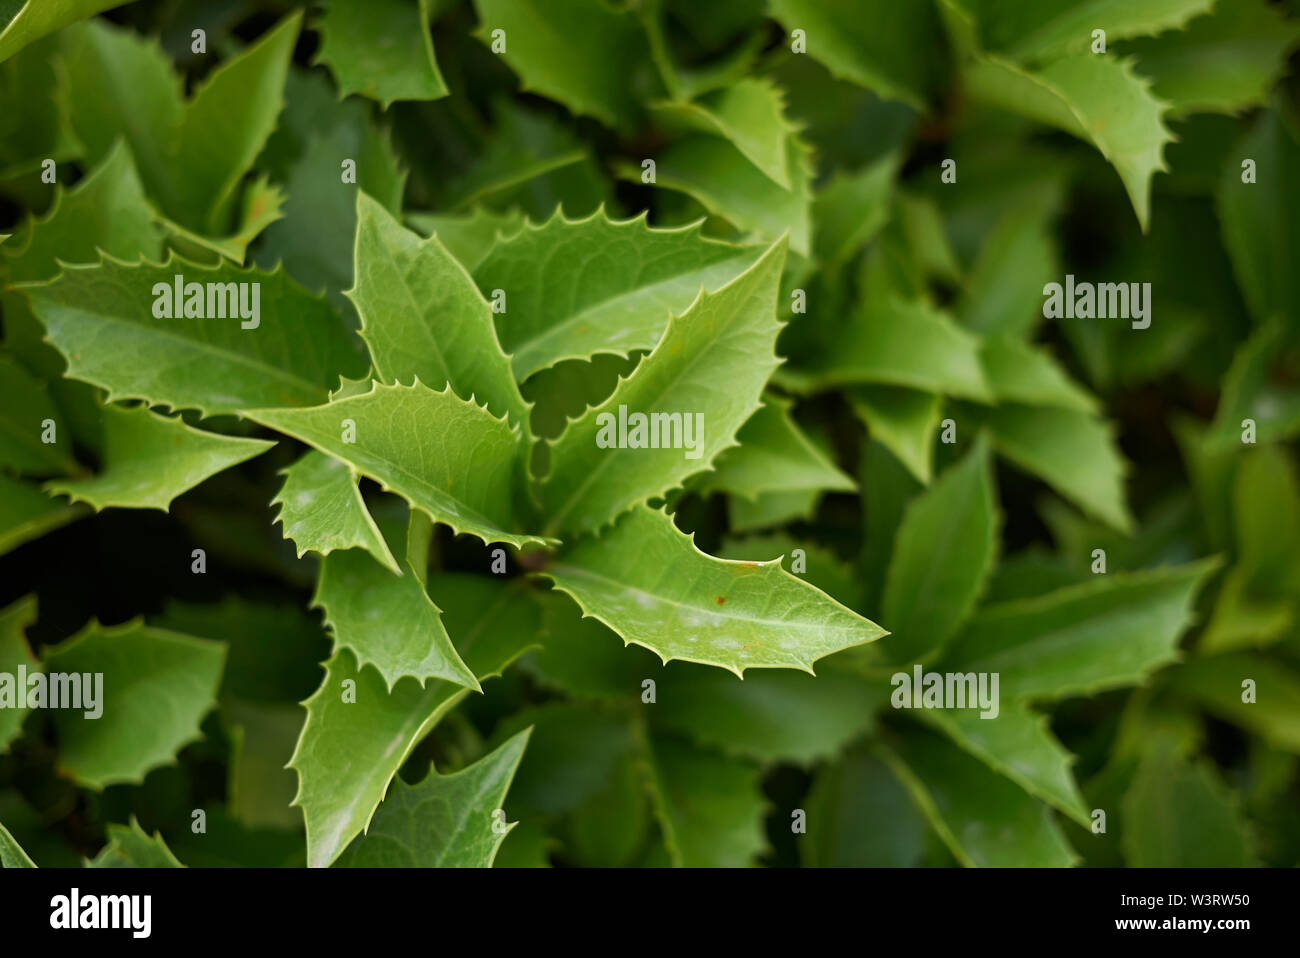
{"x":477,"y":227}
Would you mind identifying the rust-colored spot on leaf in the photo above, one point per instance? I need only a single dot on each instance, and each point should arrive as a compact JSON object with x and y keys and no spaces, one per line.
{"x":719,"y":599}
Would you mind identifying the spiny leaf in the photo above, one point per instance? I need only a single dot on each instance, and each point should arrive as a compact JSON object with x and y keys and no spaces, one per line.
{"x":904,"y":421}
{"x":818,"y":564}
{"x":423,"y":317}
{"x":727,"y":336}
{"x":25,"y":412}
{"x":1096,"y":98}
{"x":132,"y":847}
{"x":150,"y":459}
{"x":156,"y":688}
{"x":446,"y":821}
{"x":381,"y":49}
{"x":349,"y":751}
{"x":440,"y":453}
{"x":11,"y":853}
{"x":620,"y":282}
{"x":851,"y":209}
{"x":735,"y":615}
{"x":321,"y":510}
{"x":469,"y":237}
{"x":30,"y":20}
{"x":102,"y":319}
{"x":27,"y":513}
{"x":1104,"y":634}
{"x":14,"y":651}
{"x":1020,"y":373}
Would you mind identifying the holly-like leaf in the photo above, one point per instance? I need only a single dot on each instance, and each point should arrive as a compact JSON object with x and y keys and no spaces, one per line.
{"x":1017,"y":743}
{"x":984,"y":819}
{"x":14,"y":652}
{"x":446,"y":821}
{"x":321,"y":510}
{"x":469,"y":237}
{"x":620,"y":282}
{"x":1097,"y":98}
{"x":1218,"y":683}
{"x":943,"y":554}
{"x":22,"y":21}
{"x":358,"y":733}
{"x":11,"y":853}
{"x":440,"y":453}
{"x":156,"y":686}
{"x":852,"y":208}
{"x":132,"y":847}
{"x":904,"y":421}
{"x":150,"y":459}
{"x":709,"y":807}
{"x":730,"y":336}
{"x":1081,"y":639}
{"x":1224,"y":61}
{"x":27,"y":513}
{"x":889,"y":48}
{"x":578,"y":52}
{"x":104,"y":321}
{"x":423,"y":318}
{"x":735,"y":615}
{"x":26,"y":412}
{"x":774,"y":454}
{"x":818,"y":564}
{"x":1020,"y":373}
{"x":381,"y":49}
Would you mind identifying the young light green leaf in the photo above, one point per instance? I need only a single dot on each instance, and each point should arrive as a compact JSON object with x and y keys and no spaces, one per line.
{"x":11,"y":853}
{"x":358,"y":733}
{"x":1017,"y":743}
{"x":22,"y":22}
{"x":943,"y":554}
{"x":1081,"y":639}
{"x":469,"y":237}
{"x":132,"y":847}
{"x":381,"y":49}
{"x":156,"y":688}
{"x":621,"y":282}
{"x":27,"y":513}
{"x":26,"y":414}
{"x":735,"y":615}
{"x":730,"y":336}
{"x":321,"y":510}
{"x":423,"y":318}
{"x":578,"y":52}
{"x":774,"y":454}
{"x":446,"y":821}
{"x":106,"y":321}
{"x":709,"y":807}
{"x":904,"y":421}
{"x":14,"y":652}
{"x":1097,"y":98}
{"x":984,"y":819}
{"x":1224,"y":61}
{"x":889,"y":48}
{"x":440,"y":453}
{"x":150,"y":459}
{"x":818,"y":564}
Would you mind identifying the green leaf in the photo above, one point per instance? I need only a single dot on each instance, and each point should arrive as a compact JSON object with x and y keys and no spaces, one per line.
{"x":321,"y":510}
{"x":904,"y":421}
{"x":709,"y":807}
{"x":1224,"y":61}
{"x":150,"y":459}
{"x":771,"y":509}
{"x":462,"y":473}
{"x":769,"y":716}
{"x":1104,"y":634}
{"x":446,"y":821}
{"x":985,"y":819}
{"x":578,"y":52}
{"x":22,"y":22}
{"x":750,"y":113}
{"x":621,"y":282}
{"x":892,"y":49}
{"x":1261,"y":220}
{"x":729,"y":336}
{"x":1021,"y":373}
{"x":818,"y":564}
{"x":155,"y":690}
{"x":387,"y":621}
{"x":1255,"y":387}
{"x":1003,"y":291}
{"x":1099,"y":99}
{"x":1071,"y":450}
{"x":101,"y":318}
{"x":260,"y":787}
{"x":716,"y":174}
{"x":1217,"y":684}
{"x":774,"y":455}
{"x":583,"y":658}
{"x":1053,"y":27}
{"x":349,"y":751}
{"x":860,"y":816}
{"x":469,"y":237}
{"x":381,"y":49}
{"x":25,"y":410}
{"x":1017,"y":743}
{"x":943,"y":554}
{"x":11,"y":853}
{"x":852,"y":208}
{"x":423,"y":318}
{"x":132,"y":847}
{"x":1178,"y":814}
{"x":735,"y":615}
{"x":14,"y":651}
